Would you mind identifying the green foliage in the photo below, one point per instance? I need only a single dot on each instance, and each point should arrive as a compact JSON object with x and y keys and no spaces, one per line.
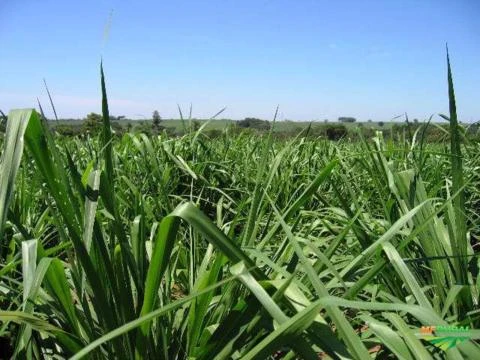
{"x":117,"y":129}
{"x":347,"y":119}
{"x":156,"y":119}
{"x":335,"y":132}
{"x":92,"y":123}
{"x":69,"y":130}
{"x":3,"y":122}
{"x":233,"y":246}
{"x":254,"y":123}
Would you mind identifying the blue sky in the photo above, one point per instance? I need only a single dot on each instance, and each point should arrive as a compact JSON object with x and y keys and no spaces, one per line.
{"x":316,"y":59}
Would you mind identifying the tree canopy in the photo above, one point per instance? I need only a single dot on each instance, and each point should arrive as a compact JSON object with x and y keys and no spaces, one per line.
{"x":347,"y":119}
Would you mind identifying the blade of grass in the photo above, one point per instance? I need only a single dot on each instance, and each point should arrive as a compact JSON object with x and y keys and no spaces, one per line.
{"x":10,"y":161}
{"x":460,"y":237}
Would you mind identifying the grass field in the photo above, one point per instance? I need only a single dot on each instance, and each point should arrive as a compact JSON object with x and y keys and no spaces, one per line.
{"x":222,"y":124}
{"x":281,"y":126}
{"x":237,"y":247}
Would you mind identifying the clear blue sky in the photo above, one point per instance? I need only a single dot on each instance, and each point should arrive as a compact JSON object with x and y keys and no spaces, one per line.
{"x":316,"y":59}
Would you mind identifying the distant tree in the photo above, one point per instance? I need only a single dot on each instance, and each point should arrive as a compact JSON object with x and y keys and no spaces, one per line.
{"x":325,"y":121}
{"x":346,"y":119}
{"x":68,"y":130}
{"x":415,"y":121}
{"x":116,"y":118}
{"x":381,"y":123}
{"x":156,"y":119}
{"x":254,"y":123}
{"x":336,"y":132}
{"x":369,"y":120}
{"x":196,"y":125}
{"x":93,"y":122}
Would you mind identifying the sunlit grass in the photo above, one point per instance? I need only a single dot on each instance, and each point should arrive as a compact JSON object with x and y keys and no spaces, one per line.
{"x":240,"y":246}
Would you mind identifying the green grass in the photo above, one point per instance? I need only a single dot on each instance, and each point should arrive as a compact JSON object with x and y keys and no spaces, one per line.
{"x":235,"y":247}
{"x":222,"y":124}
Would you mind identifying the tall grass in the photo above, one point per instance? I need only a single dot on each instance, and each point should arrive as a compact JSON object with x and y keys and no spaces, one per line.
{"x":233,"y":247}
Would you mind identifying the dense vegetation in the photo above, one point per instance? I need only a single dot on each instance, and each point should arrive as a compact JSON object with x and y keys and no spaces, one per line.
{"x":241,"y":245}
{"x":92,"y":124}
